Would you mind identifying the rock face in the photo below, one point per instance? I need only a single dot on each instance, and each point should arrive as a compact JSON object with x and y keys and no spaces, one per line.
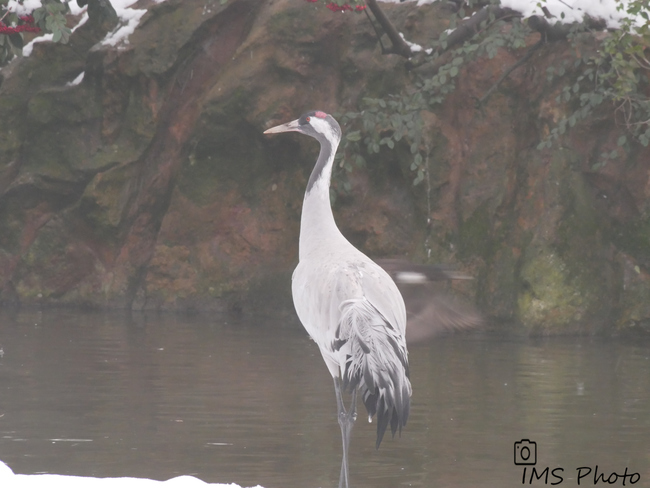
{"x":150,"y":185}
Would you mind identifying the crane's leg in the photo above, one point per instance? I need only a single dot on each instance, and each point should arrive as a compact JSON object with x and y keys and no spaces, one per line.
{"x":346,"y":421}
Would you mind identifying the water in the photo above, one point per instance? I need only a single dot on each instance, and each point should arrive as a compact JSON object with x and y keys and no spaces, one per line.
{"x":250,"y":401}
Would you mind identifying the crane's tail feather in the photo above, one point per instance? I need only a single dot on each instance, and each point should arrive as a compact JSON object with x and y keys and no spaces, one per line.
{"x":377,"y":364}
{"x":388,"y":410}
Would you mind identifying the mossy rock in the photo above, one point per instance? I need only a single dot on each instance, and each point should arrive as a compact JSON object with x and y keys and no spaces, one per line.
{"x":551,"y":298}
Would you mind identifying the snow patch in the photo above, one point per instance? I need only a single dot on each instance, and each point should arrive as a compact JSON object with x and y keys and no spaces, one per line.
{"x":8,"y":478}
{"x":565,"y":11}
{"x":77,"y":80}
{"x":415,"y":48}
{"x":29,"y":47}
{"x":572,"y":10}
{"x":26,"y":7}
{"x":130,"y":18}
{"x":82,"y":21}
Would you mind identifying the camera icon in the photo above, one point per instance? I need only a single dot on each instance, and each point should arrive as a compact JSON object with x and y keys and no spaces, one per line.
{"x":525,"y":453}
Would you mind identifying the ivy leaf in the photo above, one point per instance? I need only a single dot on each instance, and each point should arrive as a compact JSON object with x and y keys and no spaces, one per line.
{"x":16,"y":40}
{"x":39,"y":14}
{"x":644,"y":140}
{"x":354,"y":136}
{"x":396,"y":121}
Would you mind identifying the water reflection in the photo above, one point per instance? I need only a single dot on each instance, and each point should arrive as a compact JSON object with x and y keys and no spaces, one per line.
{"x":249,"y":401}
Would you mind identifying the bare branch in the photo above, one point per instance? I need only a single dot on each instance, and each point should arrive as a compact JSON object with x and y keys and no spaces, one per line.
{"x":472,"y":26}
{"x":399,"y":45}
{"x":468,"y":29}
{"x":525,"y":58}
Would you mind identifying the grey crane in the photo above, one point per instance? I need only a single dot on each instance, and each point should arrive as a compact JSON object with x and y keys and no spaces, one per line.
{"x":347,"y":303}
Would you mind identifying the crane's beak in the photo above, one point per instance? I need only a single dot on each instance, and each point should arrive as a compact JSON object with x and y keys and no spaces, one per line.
{"x":293,"y":126}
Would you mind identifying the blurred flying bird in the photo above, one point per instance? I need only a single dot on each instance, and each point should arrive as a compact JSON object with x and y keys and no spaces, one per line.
{"x":430,"y":310}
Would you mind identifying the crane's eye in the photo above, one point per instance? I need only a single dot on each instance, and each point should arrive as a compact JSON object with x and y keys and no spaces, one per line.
{"x":307,"y":119}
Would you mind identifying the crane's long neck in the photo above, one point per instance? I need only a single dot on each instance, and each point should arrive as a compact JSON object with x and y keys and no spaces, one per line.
{"x":317,"y":227}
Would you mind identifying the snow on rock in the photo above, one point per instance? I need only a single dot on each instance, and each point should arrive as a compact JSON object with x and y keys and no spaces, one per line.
{"x":29,"y":47}
{"x":24,"y":7}
{"x":34,"y":4}
{"x":10,"y":480}
{"x":415,"y":47}
{"x":129,"y":20}
{"x":572,"y":10}
{"x":564,"y":10}
{"x":77,"y":80}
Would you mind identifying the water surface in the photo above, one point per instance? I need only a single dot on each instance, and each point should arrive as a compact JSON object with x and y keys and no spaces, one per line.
{"x":250,"y":401}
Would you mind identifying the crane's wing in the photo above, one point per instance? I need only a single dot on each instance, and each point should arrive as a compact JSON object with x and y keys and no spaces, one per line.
{"x":381,"y":291}
{"x":356,"y":315}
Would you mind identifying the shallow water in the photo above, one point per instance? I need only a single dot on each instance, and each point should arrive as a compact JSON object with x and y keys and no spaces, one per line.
{"x":249,"y":400}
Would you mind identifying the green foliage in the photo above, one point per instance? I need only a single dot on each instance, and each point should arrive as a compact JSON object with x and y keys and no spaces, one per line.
{"x":49,"y":18}
{"x":384,"y":122}
{"x":617,"y":75}
{"x":396,"y":119}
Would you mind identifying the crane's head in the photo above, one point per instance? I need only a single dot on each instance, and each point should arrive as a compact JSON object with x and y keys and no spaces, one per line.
{"x":316,"y":124}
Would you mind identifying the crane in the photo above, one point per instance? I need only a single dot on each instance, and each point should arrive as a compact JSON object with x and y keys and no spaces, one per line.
{"x":348,"y":304}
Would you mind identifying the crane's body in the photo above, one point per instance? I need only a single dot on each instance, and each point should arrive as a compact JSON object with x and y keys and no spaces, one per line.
{"x":348,"y":304}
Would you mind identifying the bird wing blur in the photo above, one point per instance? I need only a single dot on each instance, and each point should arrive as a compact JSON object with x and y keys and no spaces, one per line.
{"x":430,"y":309}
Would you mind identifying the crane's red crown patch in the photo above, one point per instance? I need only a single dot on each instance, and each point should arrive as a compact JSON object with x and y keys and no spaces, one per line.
{"x":320,"y":115}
